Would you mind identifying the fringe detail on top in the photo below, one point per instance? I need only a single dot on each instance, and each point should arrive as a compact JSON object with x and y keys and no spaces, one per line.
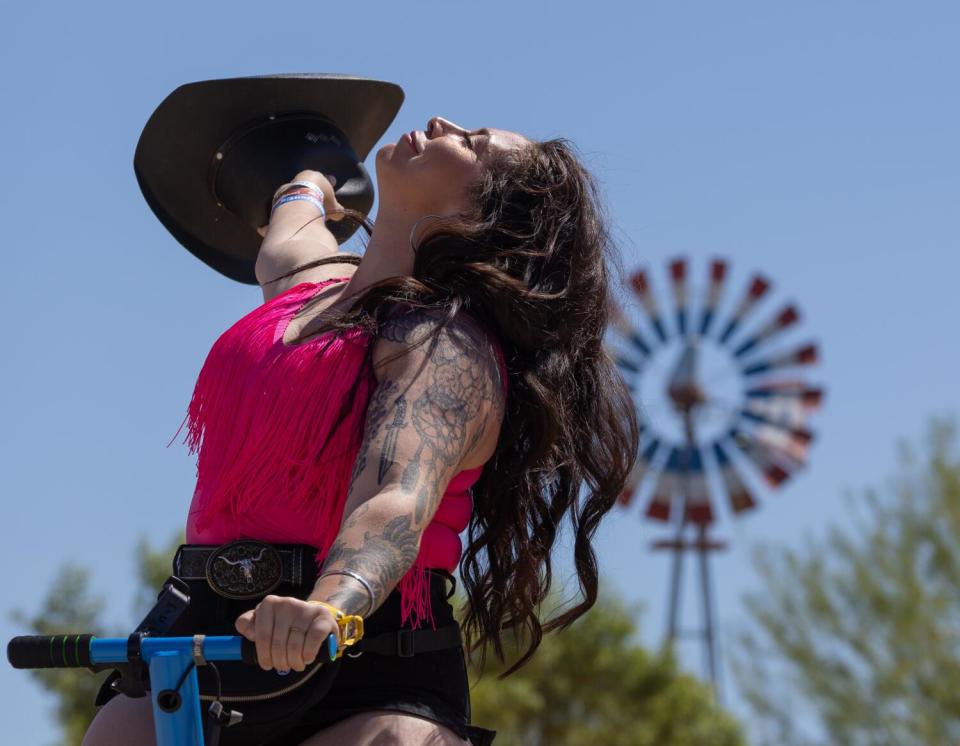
{"x":261,"y":417}
{"x":415,"y":602}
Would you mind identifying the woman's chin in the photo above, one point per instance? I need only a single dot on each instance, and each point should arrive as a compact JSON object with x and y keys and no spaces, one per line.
{"x":387,"y":150}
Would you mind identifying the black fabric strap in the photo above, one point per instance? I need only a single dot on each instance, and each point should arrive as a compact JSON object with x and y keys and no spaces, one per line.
{"x":408,"y":642}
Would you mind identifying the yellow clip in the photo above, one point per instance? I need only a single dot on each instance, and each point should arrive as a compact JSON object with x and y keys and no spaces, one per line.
{"x":351,"y":631}
{"x":351,"y":626}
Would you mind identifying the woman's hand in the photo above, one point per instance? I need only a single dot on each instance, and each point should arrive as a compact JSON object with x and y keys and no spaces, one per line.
{"x":333,"y":208}
{"x":326,"y":184}
{"x":289,"y":633}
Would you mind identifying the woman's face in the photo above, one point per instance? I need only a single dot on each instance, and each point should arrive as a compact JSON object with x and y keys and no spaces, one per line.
{"x":429,"y":171}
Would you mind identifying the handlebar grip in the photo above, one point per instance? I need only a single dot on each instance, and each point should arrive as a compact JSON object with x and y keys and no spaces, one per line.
{"x":49,"y":651}
{"x":248,"y":652}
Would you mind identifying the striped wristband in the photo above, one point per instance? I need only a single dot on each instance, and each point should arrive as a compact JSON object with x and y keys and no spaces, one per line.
{"x":297,"y":197}
{"x":305,"y":184}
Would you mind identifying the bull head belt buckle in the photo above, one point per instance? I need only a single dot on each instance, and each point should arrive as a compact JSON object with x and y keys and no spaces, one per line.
{"x":244,"y":569}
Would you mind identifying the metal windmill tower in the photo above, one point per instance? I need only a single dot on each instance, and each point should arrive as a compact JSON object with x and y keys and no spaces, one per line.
{"x":721,"y":402}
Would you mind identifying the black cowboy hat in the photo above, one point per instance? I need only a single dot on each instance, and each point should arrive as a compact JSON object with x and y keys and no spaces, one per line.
{"x":212,"y":154}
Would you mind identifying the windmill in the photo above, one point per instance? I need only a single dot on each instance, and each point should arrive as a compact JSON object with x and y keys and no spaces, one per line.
{"x":722,"y":405}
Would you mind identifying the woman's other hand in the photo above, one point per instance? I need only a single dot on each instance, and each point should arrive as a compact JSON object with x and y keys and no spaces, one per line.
{"x":289,"y":633}
{"x":327,"y":184}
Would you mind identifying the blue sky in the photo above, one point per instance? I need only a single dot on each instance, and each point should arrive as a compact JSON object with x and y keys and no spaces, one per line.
{"x":816,"y":142}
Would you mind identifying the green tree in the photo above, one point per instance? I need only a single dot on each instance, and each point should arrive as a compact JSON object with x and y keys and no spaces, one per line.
{"x":858,"y":633}
{"x":70,"y":607}
{"x":591,"y":683}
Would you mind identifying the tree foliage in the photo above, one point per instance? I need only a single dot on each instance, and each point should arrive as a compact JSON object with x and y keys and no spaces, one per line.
{"x":859,"y":632}
{"x":71,"y":607}
{"x":591,"y":683}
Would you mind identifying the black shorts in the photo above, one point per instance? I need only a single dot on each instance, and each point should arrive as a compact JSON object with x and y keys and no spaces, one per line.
{"x":431,"y":685}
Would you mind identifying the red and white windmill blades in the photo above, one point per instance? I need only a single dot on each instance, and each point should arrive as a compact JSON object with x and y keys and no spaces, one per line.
{"x":806,"y":355}
{"x":718,"y":273}
{"x":757,"y":289}
{"x":639,"y":471}
{"x":766,"y":427}
{"x":642,"y":289}
{"x":737,"y":492}
{"x":683,"y":473}
{"x":678,"y":276}
{"x":795,"y":392}
{"x":783,"y":320}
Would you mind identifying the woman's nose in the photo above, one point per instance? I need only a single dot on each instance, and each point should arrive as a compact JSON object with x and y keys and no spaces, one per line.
{"x":439,"y":125}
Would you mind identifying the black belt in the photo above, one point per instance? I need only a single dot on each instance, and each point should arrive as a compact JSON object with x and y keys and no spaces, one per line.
{"x":246,"y":568}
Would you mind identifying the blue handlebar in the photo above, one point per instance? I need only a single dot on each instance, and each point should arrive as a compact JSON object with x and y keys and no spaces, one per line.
{"x":214,"y":648}
{"x":171,"y":662}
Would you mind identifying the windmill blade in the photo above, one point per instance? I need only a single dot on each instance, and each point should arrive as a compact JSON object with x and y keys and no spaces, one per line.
{"x":718,"y":273}
{"x":667,"y":486}
{"x":806,"y":355}
{"x":793,"y":441}
{"x":757,"y":289}
{"x":619,"y":322}
{"x":787,"y":442}
{"x":624,"y":363}
{"x":787,"y":317}
{"x":698,"y":507}
{"x":768,"y":441}
{"x":788,"y":411}
{"x":772,"y":472}
{"x":641,"y":467}
{"x":737,"y":492}
{"x":678,"y":278}
{"x":809,"y":398}
{"x":638,"y":280}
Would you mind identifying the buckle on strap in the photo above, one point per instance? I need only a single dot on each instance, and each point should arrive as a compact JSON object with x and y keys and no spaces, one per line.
{"x":405,"y":648}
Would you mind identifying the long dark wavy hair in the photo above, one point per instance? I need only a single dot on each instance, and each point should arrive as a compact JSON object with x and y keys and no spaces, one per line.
{"x":532,"y":261}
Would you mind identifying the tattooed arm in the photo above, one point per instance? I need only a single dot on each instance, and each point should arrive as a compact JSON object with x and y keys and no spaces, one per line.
{"x":434,"y":408}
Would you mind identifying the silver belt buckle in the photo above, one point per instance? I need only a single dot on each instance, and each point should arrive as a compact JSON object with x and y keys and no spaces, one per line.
{"x":244,"y":569}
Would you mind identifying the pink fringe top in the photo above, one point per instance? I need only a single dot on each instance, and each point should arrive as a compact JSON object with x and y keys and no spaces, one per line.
{"x":260,"y":418}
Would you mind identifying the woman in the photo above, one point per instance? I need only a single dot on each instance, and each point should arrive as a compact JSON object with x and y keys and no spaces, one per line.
{"x":460,"y":377}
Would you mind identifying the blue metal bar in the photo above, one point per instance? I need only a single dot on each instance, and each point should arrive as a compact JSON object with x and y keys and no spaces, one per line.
{"x":168,"y":658}
{"x":184,"y":726}
{"x":215,"y":648}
